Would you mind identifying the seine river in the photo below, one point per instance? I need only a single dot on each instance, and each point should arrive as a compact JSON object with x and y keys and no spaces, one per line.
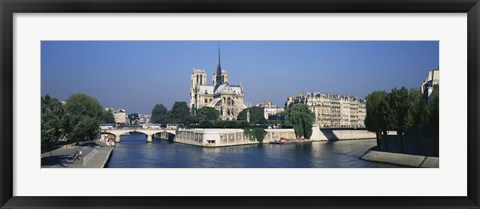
{"x":134,"y":152}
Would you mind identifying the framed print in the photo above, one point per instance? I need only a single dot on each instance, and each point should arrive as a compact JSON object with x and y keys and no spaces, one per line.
{"x":262,"y":104}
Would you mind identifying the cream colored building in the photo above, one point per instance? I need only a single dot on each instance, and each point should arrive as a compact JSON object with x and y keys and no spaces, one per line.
{"x":432,"y":79}
{"x":226,"y":98}
{"x":144,"y":118}
{"x":119,"y":114}
{"x":332,"y":110}
{"x":271,"y":111}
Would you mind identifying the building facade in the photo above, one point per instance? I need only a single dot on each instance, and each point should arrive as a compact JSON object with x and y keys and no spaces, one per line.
{"x":120,"y":115}
{"x":227,"y":99}
{"x":271,"y":111}
{"x":144,"y":118}
{"x":432,"y":79}
{"x":332,"y":110}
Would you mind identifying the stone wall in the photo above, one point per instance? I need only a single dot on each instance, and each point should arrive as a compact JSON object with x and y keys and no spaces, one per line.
{"x":354,"y":134}
{"x":89,"y":156}
{"x":334,"y":135}
{"x":227,"y":137}
{"x":276,"y":134}
{"x":189,"y":136}
{"x":317,"y":135}
{"x":213,"y":137}
{"x":417,"y":161}
{"x":232,"y":137}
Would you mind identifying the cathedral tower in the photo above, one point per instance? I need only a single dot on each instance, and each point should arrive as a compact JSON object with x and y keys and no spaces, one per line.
{"x":224,"y":97}
{"x":197,"y":79}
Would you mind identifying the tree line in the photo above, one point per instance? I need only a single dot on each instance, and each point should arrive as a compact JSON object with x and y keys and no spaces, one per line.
{"x":406,"y":111}
{"x":180,"y":114}
{"x":76,"y":120}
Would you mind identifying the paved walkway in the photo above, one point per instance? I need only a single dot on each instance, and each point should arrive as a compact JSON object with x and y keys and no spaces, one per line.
{"x":93,"y":156}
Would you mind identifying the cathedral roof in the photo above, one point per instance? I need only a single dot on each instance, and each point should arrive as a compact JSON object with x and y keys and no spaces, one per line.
{"x":207,"y":89}
{"x":225,"y":88}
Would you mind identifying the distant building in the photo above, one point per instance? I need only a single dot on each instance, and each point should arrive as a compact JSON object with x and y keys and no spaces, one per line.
{"x":144,"y":118}
{"x":432,"y":79}
{"x":332,"y":110}
{"x":120,"y":115}
{"x":265,"y":104}
{"x":151,"y":126}
{"x":271,"y":111}
{"x":226,"y":98}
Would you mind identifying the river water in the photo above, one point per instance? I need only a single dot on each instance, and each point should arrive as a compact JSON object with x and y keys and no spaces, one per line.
{"x":134,"y":152}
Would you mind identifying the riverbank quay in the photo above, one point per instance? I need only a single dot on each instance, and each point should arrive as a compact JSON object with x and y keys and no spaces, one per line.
{"x":291,"y":141}
{"x":217,"y":137}
{"x":415,"y":161}
{"x":227,"y":137}
{"x":93,"y":156}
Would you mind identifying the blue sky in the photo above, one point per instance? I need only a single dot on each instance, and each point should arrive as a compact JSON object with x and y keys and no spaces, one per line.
{"x":136,"y":75}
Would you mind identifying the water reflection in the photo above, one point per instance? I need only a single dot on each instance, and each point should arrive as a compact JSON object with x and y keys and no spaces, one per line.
{"x":134,"y":152}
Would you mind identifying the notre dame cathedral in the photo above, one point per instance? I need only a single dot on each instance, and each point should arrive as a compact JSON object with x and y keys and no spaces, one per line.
{"x":226,"y":98}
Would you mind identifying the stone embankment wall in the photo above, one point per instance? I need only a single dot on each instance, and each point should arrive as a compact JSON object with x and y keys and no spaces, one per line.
{"x":89,"y":157}
{"x":416,"y":161}
{"x":317,"y":135}
{"x":349,"y":134}
{"x":231,"y":137}
{"x":212,"y":137}
{"x":276,"y":134}
{"x":226,"y":137}
{"x":97,"y":158}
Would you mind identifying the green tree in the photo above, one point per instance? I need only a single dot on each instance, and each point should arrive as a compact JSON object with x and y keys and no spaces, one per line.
{"x":180,"y":114}
{"x":206,"y":124}
{"x":256,"y":115}
{"x":301,"y":119}
{"x":417,"y":115}
{"x":53,"y":120}
{"x":379,"y":115}
{"x":85,"y":128}
{"x":255,"y":134}
{"x":434,"y":115}
{"x":107,"y":117}
{"x":85,"y":114}
{"x":159,"y":112}
{"x":433,"y":107}
{"x":207,"y":113}
{"x":400,"y":105}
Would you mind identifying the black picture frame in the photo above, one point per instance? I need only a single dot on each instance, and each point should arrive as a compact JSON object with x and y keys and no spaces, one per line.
{"x":9,"y":7}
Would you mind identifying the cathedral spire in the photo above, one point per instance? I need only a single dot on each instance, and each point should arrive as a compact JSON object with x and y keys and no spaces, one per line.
{"x":219,"y":76}
{"x":218,"y":54}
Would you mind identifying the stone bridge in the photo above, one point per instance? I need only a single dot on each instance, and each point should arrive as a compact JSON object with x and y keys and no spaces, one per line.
{"x":149,"y":132}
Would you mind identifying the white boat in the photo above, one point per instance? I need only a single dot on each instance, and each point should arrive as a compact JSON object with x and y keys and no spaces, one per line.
{"x":110,"y":143}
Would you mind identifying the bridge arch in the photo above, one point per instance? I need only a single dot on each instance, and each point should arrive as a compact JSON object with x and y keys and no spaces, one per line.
{"x":148,"y":132}
{"x":166,"y":134}
{"x":116,"y":133}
